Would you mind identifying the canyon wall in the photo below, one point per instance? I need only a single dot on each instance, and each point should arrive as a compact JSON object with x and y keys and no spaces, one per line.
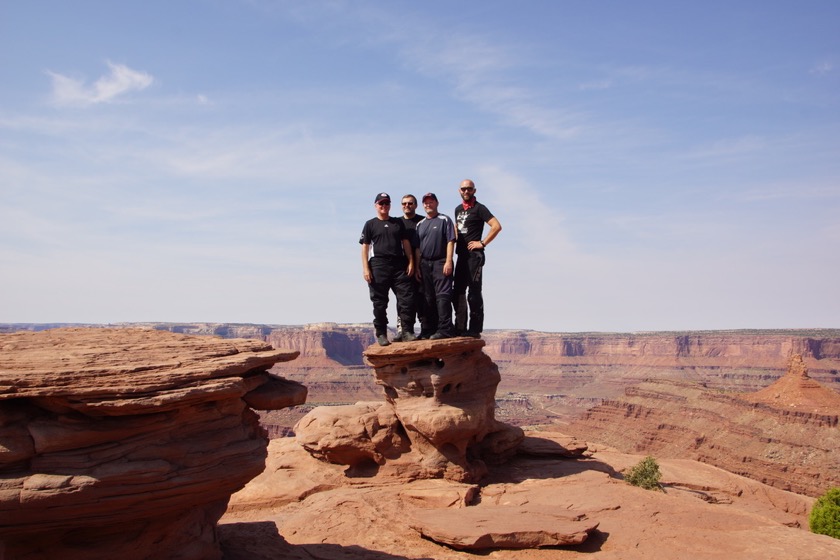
{"x":546,"y":377}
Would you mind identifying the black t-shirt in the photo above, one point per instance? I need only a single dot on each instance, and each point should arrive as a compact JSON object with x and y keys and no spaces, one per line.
{"x":384,"y":237}
{"x":411,"y":227}
{"x":470,"y":224}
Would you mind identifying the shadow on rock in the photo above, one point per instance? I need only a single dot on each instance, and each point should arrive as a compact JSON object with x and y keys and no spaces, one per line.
{"x":260,"y":540}
{"x":524,"y":468}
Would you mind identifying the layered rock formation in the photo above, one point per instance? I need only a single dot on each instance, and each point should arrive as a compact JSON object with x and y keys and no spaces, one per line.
{"x":797,"y":391}
{"x":127,"y":443}
{"x":437,"y":419}
{"x":302,"y":508}
{"x":785,"y":435}
{"x":546,"y":377}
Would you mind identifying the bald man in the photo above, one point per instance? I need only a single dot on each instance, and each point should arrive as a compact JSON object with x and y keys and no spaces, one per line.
{"x":470,"y":218}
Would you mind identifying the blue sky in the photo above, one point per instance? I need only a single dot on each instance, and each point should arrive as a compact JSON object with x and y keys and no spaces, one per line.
{"x":655,"y":165}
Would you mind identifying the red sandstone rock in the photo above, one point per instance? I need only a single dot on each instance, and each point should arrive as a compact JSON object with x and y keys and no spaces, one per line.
{"x":127,"y":443}
{"x":704,"y":512}
{"x":495,"y":527}
{"x":785,"y":435}
{"x":437,"y":421}
{"x":797,"y":391}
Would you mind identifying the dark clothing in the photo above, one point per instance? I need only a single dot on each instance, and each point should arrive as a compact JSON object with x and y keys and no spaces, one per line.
{"x":411,"y":228}
{"x":470,"y":225}
{"x":388,"y":263}
{"x":384,"y":237}
{"x":435,"y":234}
{"x":389,"y":274}
{"x":437,"y":288}
{"x":468,"y":275}
{"x":417,"y":287}
{"x":469,"y":268}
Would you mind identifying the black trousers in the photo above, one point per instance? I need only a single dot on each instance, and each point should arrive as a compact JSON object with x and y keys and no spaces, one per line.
{"x":468,"y":275}
{"x":437,"y":289}
{"x":389,"y":275}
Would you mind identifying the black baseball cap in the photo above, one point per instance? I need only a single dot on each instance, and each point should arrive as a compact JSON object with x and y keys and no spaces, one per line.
{"x":382,"y":196}
{"x":431,"y":195}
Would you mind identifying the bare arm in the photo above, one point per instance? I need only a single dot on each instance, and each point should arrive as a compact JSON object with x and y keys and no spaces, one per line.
{"x":448,"y":267}
{"x":365,"y":265}
{"x":495,"y":228}
{"x":410,"y":254}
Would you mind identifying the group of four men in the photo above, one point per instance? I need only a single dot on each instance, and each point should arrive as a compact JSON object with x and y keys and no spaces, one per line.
{"x":413,"y":257}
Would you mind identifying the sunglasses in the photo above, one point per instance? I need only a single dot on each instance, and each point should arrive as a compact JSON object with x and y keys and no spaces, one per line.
{"x":408,"y":203}
{"x":384,"y":203}
{"x":467,"y":189}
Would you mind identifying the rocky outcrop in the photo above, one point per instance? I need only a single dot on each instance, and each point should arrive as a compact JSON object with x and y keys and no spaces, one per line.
{"x":127,"y":443}
{"x":504,"y":527}
{"x":437,"y":419}
{"x":797,"y":391}
{"x":304,"y":508}
{"x":785,"y":436}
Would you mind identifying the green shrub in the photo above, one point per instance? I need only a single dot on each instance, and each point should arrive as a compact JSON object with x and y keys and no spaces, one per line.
{"x":645,"y":474}
{"x":825,"y":515}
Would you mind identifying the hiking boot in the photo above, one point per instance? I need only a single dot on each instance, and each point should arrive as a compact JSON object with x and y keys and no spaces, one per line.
{"x":438,"y":336}
{"x":472,"y":334}
{"x":408,"y":336}
{"x":382,"y":339}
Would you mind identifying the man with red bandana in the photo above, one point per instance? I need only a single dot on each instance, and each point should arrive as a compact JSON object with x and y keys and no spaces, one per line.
{"x":470,"y":217}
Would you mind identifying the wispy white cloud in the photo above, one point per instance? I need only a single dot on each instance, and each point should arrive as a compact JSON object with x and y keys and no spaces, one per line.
{"x":596,"y":85}
{"x":822,"y":68}
{"x":120,"y":81}
{"x":729,"y":148}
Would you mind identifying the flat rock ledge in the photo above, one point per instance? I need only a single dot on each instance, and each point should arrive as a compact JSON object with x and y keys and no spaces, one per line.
{"x":436,"y":421}
{"x":128,"y":443}
{"x":491,"y":527}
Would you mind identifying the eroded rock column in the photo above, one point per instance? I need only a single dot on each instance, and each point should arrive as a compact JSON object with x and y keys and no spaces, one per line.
{"x":437,"y":420}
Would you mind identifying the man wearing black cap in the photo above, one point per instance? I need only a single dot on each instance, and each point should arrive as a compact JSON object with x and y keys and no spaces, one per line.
{"x":470,"y":217}
{"x":436,"y":234}
{"x":388,"y":264}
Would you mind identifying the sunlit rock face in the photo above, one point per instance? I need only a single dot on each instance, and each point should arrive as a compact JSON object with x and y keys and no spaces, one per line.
{"x":437,"y":420}
{"x":128,"y":443}
{"x":785,"y":435}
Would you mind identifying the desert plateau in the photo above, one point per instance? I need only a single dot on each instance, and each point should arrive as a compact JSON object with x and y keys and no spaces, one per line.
{"x":228,"y":441}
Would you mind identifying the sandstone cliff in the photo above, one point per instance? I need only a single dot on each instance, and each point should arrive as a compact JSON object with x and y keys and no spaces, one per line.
{"x":785,"y":435}
{"x":127,"y":443}
{"x":546,"y":377}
